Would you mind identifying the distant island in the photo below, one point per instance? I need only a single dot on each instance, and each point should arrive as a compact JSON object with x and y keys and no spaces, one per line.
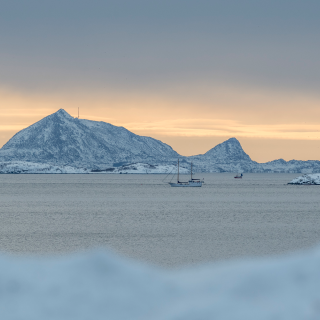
{"x":60,"y":143}
{"x":307,"y":179}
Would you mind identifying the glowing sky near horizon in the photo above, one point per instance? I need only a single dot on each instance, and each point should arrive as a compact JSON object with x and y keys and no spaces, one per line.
{"x":190,"y":73}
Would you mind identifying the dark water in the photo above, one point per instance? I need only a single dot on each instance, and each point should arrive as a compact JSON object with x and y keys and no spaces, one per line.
{"x":144,"y":218}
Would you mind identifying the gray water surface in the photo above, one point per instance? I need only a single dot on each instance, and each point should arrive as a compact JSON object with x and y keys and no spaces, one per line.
{"x":144,"y":218}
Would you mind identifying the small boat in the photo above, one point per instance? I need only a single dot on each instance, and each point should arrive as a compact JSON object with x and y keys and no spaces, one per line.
{"x":239,"y":176}
{"x":191,"y":183}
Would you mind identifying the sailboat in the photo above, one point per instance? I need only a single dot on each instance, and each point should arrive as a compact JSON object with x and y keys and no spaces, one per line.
{"x":191,"y":183}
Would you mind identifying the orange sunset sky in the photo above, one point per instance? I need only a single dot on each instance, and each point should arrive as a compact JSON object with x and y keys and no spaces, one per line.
{"x":191,"y":74}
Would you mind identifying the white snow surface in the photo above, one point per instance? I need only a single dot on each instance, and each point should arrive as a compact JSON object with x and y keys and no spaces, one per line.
{"x":60,"y":139}
{"x":30,"y":167}
{"x":100,"y":285}
{"x":149,"y":168}
{"x":307,"y":179}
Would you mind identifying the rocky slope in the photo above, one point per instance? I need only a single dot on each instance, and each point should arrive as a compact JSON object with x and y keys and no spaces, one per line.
{"x":60,"y":139}
{"x":225,"y":157}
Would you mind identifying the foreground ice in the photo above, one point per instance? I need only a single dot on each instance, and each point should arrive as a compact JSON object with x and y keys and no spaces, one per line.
{"x":100,"y":285}
{"x":307,"y":179}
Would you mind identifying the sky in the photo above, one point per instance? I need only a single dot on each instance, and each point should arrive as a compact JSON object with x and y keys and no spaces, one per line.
{"x":190,"y":73}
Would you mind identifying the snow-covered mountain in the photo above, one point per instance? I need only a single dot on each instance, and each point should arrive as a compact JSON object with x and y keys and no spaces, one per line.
{"x":227,"y":156}
{"x":229,"y":150}
{"x":60,"y":139}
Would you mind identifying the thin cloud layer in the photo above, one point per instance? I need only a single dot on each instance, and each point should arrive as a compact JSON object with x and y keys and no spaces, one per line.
{"x":168,"y":69}
{"x":143,"y":44}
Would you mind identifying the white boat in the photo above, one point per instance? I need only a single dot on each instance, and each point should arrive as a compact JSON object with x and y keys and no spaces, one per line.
{"x":191,"y":183}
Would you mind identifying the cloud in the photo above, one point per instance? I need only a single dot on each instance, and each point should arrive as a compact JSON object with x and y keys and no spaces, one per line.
{"x":169,"y":69}
{"x":221,"y":112}
{"x":134,"y":45}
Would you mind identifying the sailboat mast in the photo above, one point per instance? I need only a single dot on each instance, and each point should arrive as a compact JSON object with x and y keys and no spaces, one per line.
{"x":178,"y":172}
{"x":191,"y":171}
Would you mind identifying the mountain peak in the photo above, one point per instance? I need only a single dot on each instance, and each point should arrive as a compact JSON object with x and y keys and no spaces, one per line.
{"x":234,"y":140}
{"x":62,"y":113}
{"x":230,"y":149}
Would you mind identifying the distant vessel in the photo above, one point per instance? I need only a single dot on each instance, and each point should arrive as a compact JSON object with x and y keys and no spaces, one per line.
{"x":191,"y":183}
{"x":239,"y":176}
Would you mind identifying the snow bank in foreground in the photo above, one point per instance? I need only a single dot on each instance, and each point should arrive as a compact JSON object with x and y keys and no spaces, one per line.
{"x":307,"y":179}
{"x":100,"y":285}
{"x":31,"y":167}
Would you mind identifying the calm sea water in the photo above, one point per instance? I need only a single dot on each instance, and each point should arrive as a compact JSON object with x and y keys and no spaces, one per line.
{"x":142,"y":217}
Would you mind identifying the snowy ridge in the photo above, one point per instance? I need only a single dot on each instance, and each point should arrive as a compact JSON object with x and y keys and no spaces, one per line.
{"x":230,"y":150}
{"x":292,"y":166}
{"x":61,"y":140}
{"x":29,"y":167}
{"x":100,"y":285}
{"x":229,"y":156}
{"x":309,"y":179}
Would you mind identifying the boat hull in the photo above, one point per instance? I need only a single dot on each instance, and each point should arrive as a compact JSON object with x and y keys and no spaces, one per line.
{"x":186,"y":184}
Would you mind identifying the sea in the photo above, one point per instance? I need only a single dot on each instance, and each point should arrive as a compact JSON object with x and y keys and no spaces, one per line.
{"x":141,"y":217}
